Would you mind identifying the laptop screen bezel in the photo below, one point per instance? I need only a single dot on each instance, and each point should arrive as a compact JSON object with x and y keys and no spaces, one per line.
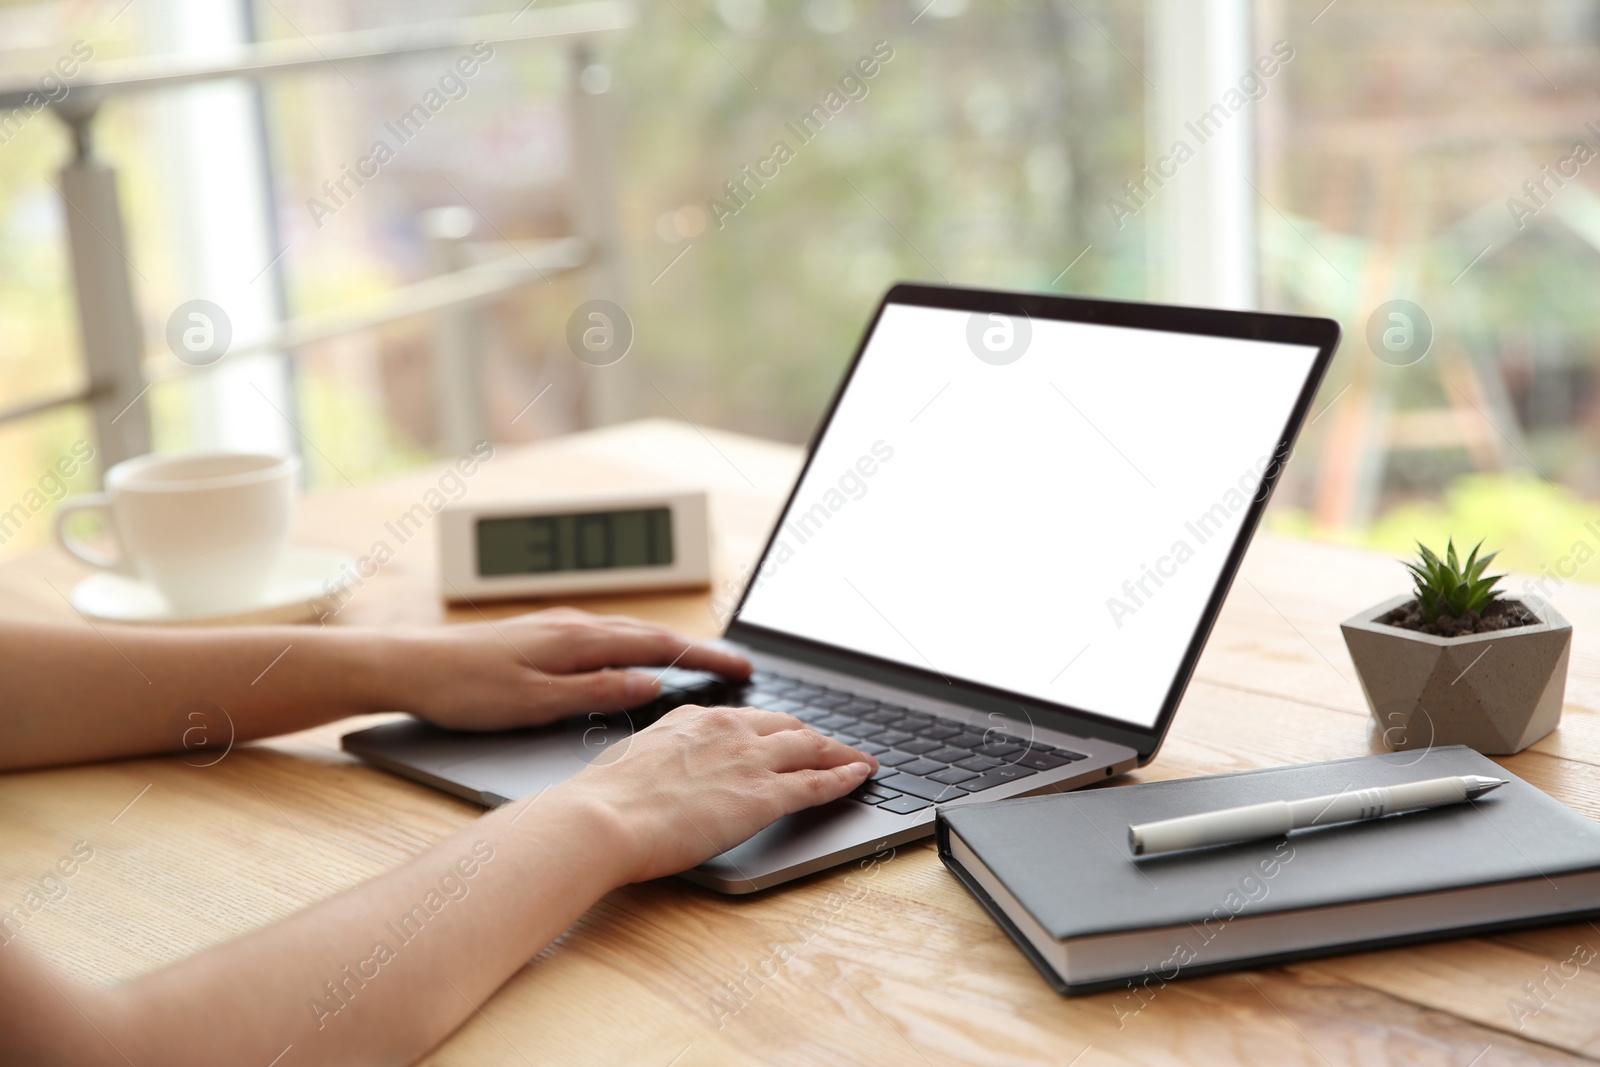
{"x":1320,"y":333}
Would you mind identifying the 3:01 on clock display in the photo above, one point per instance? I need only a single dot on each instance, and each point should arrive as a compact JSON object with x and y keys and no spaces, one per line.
{"x":549,"y":544}
{"x":576,"y":544}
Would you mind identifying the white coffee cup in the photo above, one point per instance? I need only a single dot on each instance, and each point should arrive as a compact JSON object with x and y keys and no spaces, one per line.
{"x":209,"y":530}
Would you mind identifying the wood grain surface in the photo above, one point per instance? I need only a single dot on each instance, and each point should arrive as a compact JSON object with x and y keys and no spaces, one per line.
{"x":888,"y":963}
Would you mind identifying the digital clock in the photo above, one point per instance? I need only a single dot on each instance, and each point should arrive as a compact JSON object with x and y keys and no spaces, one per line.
{"x":593,"y":543}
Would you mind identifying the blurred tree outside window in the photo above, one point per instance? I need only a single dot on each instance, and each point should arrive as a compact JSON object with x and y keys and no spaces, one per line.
{"x":1433,"y":164}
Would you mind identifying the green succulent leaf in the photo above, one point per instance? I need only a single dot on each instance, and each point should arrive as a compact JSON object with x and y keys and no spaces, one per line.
{"x":1447,"y":586}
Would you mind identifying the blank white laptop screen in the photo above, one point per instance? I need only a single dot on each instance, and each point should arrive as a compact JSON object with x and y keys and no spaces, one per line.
{"x":1051,"y":526}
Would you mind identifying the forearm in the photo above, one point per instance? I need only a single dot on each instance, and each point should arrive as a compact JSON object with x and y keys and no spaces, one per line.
{"x":75,"y":694}
{"x":381,"y":973}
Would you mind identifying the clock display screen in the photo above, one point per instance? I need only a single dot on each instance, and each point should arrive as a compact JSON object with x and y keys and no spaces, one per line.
{"x":549,"y":544}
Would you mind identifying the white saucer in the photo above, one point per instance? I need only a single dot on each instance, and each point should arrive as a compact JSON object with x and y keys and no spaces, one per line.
{"x":300,"y":593}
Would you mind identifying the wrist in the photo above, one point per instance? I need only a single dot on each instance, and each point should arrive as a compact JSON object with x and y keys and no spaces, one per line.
{"x":603,"y":831}
{"x":393,"y":667}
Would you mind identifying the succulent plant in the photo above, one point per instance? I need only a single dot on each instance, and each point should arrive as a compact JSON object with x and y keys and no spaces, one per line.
{"x":1449,"y":587}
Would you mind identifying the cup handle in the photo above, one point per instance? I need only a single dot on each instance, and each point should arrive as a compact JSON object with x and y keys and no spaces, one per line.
{"x":76,"y":548}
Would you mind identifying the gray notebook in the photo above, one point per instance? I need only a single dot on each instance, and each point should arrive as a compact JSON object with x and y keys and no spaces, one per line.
{"x":1057,"y":873}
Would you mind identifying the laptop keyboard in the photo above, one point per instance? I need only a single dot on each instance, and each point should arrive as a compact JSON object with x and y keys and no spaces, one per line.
{"x":923,"y":760}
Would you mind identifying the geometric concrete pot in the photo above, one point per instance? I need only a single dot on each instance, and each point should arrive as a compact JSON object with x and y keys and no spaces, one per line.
{"x":1497,"y":692}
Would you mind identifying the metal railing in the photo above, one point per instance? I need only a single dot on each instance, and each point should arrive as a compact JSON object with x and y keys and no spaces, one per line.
{"x":113,"y":342}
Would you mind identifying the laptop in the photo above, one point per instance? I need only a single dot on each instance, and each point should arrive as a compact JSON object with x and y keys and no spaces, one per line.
{"x":996,"y":571}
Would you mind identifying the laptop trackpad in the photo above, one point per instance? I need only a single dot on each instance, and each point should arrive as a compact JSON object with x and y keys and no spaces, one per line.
{"x":519,"y":768}
{"x":794,"y":845}
{"x":497,"y":768}
{"x":806,"y":841}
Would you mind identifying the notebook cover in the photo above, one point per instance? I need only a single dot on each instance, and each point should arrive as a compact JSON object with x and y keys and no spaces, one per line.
{"x":1066,"y":859}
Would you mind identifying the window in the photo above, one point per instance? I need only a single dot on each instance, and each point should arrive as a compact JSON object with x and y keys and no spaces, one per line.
{"x":763,"y":169}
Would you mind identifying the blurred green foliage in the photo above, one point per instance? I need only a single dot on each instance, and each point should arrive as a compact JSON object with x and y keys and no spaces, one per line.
{"x":982,"y":153}
{"x":1537,"y":527}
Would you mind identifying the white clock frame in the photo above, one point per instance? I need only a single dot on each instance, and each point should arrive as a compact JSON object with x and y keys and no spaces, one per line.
{"x":690,"y":568}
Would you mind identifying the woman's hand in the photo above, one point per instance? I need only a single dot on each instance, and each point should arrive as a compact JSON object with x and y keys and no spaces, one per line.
{"x":702,"y":780}
{"x":537,"y":668}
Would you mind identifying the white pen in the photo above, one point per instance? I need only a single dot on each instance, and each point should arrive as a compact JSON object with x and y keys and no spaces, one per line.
{"x":1278,"y":817}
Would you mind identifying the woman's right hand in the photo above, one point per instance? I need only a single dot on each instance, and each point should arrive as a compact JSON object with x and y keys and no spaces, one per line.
{"x":702,"y":780}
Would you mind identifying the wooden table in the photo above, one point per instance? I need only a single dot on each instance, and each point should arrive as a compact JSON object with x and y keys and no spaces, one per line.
{"x":894,"y":966}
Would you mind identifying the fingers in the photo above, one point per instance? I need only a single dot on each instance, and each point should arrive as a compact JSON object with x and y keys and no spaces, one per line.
{"x":622,"y":643}
{"x":817,"y":785}
{"x":561,"y":695}
{"x":574,"y":694}
{"x":718,"y":661}
{"x":794,"y":750}
{"x":787,"y":746}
